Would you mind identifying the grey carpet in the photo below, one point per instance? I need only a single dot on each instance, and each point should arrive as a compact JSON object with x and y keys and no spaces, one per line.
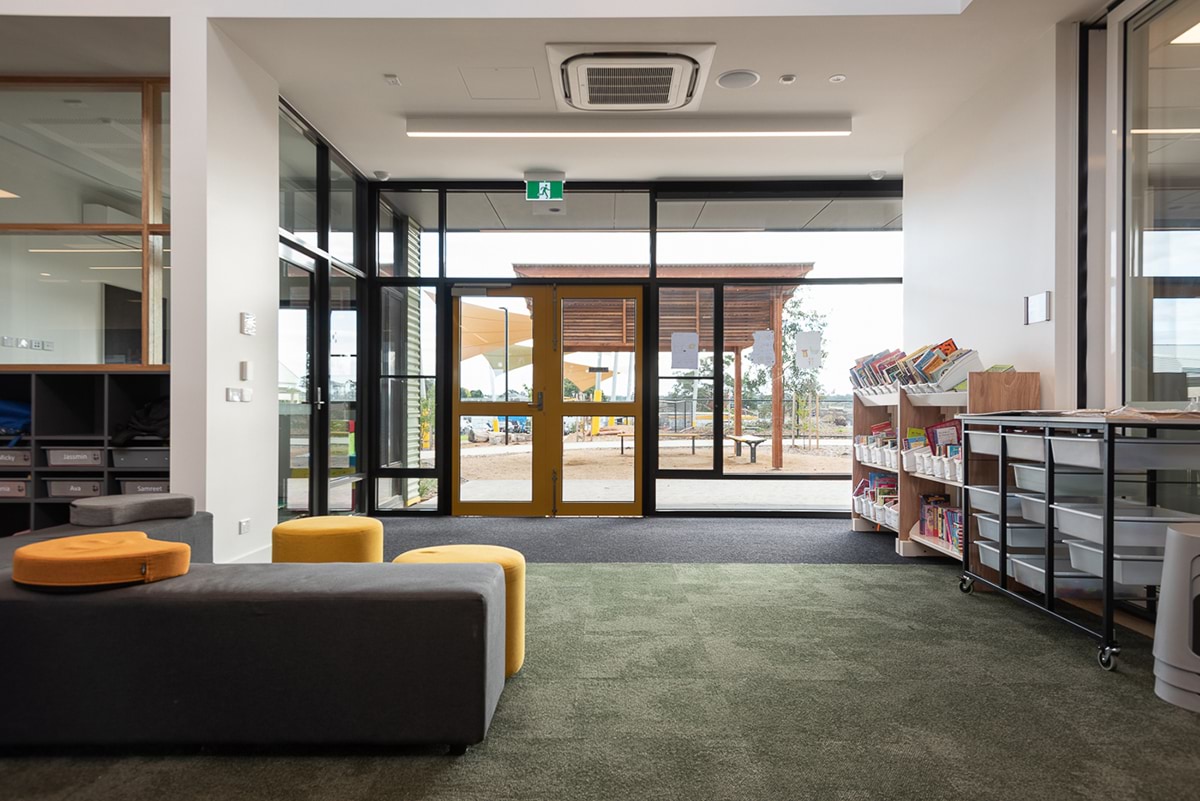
{"x":652,"y":539}
{"x":744,"y":682}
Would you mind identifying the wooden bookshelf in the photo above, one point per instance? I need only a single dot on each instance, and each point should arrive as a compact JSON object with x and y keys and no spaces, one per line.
{"x":986,"y":392}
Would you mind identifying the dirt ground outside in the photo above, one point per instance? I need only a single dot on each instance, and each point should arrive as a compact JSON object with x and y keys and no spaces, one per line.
{"x":601,"y":458}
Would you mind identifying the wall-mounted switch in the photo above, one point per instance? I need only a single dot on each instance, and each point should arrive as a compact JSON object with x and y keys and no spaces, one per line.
{"x":244,"y":526}
{"x":47,"y":344}
{"x":8,"y":342}
{"x":247,"y":394}
{"x":1037,"y":308}
{"x":36,"y":344}
{"x":22,"y":342}
{"x":246,"y":371}
{"x":233,"y":395}
{"x":249,"y":324}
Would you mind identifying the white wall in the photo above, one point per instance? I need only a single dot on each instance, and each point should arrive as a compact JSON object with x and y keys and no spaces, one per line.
{"x":988,"y":216}
{"x":225,"y":153}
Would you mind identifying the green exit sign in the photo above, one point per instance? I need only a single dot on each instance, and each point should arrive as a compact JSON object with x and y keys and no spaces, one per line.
{"x":543,"y":190}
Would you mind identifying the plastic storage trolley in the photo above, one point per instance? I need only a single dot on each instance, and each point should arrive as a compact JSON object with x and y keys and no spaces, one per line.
{"x":1177,"y":639}
{"x":1095,"y":496}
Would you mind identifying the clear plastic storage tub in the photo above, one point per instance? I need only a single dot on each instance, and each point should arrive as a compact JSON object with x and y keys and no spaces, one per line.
{"x":1030,"y":570}
{"x":1021,"y":533}
{"x":1130,"y":453}
{"x":1131,"y":565}
{"x":1138,"y":526}
{"x":1030,"y":447}
{"x":1033,"y":504}
{"x":987,"y":499}
{"x":989,"y":556}
{"x":1032,"y":477}
{"x":986,"y":442}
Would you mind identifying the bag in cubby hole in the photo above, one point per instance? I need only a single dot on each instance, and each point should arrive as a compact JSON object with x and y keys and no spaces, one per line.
{"x":15,"y":418}
{"x":152,"y":420}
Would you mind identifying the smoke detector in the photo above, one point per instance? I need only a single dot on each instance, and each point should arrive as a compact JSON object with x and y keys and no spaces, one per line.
{"x":629,"y":77}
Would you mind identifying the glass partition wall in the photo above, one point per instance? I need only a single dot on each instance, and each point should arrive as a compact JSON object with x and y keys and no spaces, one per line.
{"x":84,"y":222}
{"x":1162,"y":204}
{"x":322,"y":320}
{"x":759,"y":425}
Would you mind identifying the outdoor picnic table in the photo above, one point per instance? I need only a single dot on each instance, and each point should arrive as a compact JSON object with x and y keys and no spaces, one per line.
{"x":747,"y":439}
{"x":670,"y":435}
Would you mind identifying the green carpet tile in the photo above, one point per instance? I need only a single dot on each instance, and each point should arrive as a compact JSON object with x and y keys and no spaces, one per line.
{"x":709,"y":681}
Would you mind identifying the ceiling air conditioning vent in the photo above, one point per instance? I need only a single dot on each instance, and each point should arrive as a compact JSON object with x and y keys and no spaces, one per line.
{"x":618,"y":83}
{"x":638,"y":77}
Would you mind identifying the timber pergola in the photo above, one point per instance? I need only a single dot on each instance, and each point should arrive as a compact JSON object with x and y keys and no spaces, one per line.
{"x":608,"y":324}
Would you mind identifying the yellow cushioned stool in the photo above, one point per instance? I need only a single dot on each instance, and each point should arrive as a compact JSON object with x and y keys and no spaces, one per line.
{"x":99,"y":560}
{"x":328,"y":539}
{"x":513,"y":563}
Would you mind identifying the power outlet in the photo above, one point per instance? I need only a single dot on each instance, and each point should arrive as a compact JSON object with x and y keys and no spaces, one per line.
{"x":244,"y":526}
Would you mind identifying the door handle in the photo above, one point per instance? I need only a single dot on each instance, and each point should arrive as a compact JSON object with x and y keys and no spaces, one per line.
{"x":320,"y":404}
{"x":538,"y":403}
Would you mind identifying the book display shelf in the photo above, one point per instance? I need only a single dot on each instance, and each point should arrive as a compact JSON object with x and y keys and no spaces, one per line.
{"x":909,"y":481}
{"x":69,"y":451}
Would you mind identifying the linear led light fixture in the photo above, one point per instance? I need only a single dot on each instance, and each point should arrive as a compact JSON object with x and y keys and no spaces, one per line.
{"x":1165,"y":131}
{"x":1190,"y":36}
{"x":85,"y":250}
{"x":631,"y":127}
{"x":6,"y":195}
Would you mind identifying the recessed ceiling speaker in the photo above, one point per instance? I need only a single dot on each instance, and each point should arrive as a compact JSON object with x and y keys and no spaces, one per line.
{"x":737,"y":79}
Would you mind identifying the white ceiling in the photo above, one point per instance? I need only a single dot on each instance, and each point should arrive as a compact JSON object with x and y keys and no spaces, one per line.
{"x":905,"y":74}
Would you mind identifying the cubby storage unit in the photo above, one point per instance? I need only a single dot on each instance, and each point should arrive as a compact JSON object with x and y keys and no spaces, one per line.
{"x":69,"y":450}
{"x":986,"y":392}
{"x":1095,"y":495}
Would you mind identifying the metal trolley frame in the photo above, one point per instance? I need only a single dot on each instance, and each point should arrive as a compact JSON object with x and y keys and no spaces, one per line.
{"x":1110,"y":430}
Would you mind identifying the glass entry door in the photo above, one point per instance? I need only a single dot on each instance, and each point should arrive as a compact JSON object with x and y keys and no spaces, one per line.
{"x":298,"y":459}
{"x":319,"y":469}
{"x":546,"y":399}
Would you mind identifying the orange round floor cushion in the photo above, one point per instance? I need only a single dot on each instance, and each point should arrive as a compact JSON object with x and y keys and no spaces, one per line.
{"x":98,"y":560}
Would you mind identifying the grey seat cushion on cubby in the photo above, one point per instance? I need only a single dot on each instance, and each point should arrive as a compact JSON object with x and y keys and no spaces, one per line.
{"x":117,"y":510}
{"x":196,"y":531}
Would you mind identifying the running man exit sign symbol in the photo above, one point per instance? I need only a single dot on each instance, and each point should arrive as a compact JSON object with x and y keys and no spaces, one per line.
{"x":543,"y":190}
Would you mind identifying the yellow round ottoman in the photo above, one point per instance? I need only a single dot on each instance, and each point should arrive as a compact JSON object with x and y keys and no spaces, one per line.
{"x":328,"y":539}
{"x":513,"y":563}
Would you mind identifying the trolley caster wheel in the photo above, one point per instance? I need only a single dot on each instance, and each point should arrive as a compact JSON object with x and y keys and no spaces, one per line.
{"x":966,"y":586}
{"x":1107,"y":658}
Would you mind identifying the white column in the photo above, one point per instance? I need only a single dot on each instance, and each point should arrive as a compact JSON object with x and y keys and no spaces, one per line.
{"x":224,"y":224}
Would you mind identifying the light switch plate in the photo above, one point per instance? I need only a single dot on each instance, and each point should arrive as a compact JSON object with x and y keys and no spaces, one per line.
{"x":249,"y":323}
{"x":47,"y":344}
{"x":233,"y":395}
{"x":22,"y":342}
{"x":8,"y":342}
{"x":1037,"y":308}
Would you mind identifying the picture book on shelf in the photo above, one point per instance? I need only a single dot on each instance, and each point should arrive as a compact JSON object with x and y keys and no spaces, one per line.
{"x":944,"y":366}
{"x":942,"y":435}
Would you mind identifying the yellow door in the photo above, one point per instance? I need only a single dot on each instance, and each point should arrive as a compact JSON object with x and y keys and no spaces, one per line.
{"x":547,"y":395}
